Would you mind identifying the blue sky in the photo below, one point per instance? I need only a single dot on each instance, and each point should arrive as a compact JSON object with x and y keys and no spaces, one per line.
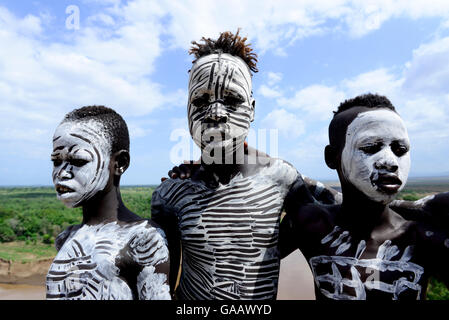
{"x":132,"y":56}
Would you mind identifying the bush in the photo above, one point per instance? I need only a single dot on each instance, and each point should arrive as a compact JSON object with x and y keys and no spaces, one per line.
{"x":47,"y":239}
{"x":6,"y":233}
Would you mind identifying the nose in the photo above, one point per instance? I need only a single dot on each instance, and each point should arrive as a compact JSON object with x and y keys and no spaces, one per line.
{"x":388,"y":162}
{"x":217,"y":112}
{"x":64,"y":173}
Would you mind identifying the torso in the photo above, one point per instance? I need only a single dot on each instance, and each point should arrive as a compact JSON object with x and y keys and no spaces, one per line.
{"x":346,"y":268}
{"x":90,"y":263}
{"x":229,"y":234}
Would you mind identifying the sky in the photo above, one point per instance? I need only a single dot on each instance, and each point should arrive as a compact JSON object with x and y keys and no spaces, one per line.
{"x":132,"y":56}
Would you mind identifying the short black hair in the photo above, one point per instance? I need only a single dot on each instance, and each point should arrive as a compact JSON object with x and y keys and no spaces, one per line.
{"x":341,"y":120}
{"x":114,"y":125}
{"x":368,"y":100}
{"x":227,"y":42}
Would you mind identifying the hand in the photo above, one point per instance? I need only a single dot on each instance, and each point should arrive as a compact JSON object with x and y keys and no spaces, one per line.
{"x":184,"y":171}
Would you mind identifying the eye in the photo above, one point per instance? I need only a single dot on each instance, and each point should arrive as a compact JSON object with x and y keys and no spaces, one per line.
{"x":78,"y":162}
{"x":371,"y":148}
{"x":202,"y":101}
{"x":56,"y":162}
{"x":232,"y":101}
{"x":399,"y":149}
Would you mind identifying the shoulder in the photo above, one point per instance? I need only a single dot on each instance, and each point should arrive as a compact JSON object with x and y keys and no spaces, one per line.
{"x":280,"y":171}
{"x":64,"y":235}
{"x":148,"y":243}
{"x":172,"y":187}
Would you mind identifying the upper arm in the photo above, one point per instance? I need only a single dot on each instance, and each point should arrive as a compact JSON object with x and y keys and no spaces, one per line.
{"x":149,"y":251}
{"x":302,"y":227}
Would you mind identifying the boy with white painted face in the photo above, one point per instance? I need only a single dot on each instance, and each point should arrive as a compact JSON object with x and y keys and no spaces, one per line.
{"x":225,"y":217}
{"x":363,"y":249}
{"x":113,"y":254}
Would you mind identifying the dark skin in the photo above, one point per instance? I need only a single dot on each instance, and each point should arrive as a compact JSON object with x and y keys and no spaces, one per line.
{"x":107,"y":206}
{"x":307,"y":224}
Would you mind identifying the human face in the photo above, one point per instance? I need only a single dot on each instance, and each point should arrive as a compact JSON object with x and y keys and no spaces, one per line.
{"x":376,"y":157}
{"x":80,"y":158}
{"x":220,"y":102}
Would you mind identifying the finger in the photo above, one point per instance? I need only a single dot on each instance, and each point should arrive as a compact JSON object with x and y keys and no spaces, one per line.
{"x":163,"y":179}
{"x":184,"y":171}
{"x":172,"y":174}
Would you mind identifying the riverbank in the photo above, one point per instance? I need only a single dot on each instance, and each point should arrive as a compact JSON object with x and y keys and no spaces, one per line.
{"x":23,"y":280}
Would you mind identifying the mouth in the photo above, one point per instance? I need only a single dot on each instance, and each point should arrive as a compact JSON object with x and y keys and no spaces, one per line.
{"x":388,"y":183}
{"x":61,"y":189}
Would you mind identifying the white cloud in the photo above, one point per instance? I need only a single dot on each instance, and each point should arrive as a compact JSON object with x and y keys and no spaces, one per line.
{"x":288,"y":124}
{"x":428,"y":71}
{"x":268,"y":92}
{"x":317,"y":101}
{"x":274,"y":78}
{"x":41,"y":80}
{"x":381,"y":81}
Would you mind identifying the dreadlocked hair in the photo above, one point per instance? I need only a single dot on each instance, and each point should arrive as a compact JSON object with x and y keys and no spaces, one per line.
{"x":227,"y":42}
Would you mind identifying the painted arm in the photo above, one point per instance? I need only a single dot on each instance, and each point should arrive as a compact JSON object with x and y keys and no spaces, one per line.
{"x":152,"y":283}
{"x":432,"y":209}
{"x":303,"y":193}
{"x":321,"y":193}
{"x":167,"y":219}
{"x":150,"y":253}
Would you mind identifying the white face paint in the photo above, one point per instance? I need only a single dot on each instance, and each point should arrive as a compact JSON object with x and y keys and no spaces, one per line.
{"x":376,"y":158}
{"x":220,"y":101}
{"x":80,"y":156}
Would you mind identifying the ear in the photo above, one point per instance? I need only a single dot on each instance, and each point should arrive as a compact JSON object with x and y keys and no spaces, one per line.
{"x":331,"y":157}
{"x":120,"y":162}
{"x":253,"y":109}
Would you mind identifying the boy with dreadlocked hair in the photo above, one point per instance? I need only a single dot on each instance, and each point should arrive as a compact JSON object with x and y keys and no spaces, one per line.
{"x":225,"y":214}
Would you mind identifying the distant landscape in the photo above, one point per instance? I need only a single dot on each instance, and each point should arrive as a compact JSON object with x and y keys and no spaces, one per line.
{"x":31,"y":218}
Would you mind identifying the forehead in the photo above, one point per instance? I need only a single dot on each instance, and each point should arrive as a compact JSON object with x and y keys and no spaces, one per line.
{"x":380,"y":123}
{"x":215,"y":65}
{"x":81,"y":132}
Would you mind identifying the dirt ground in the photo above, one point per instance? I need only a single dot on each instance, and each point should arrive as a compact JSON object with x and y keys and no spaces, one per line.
{"x":21,"y":292}
{"x":295,"y":279}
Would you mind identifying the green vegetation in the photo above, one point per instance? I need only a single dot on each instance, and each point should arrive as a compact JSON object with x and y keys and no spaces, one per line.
{"x":30,"y":219}
{"x":23,"y":252}
{"x":35,"y":215}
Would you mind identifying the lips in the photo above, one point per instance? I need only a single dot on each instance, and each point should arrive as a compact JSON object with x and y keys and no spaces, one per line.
{"x":388,"y":183}
{"x":61,"y":189}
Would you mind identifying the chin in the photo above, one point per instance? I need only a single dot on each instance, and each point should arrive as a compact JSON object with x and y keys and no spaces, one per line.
{"x":381,"y":197}
{"x":69,"y":202}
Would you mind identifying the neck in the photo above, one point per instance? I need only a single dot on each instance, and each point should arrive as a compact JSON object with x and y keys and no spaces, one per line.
{"x":103,"y":207}
{"x":359,"y":213}
{"x":225,"y":166}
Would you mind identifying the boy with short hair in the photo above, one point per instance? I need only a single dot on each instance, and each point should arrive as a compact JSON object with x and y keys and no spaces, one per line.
{"x":113,"y":254}
{"x":362,"y":248}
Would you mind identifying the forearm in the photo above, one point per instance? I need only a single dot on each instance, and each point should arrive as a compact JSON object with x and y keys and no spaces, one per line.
{"x":432,"y":209}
